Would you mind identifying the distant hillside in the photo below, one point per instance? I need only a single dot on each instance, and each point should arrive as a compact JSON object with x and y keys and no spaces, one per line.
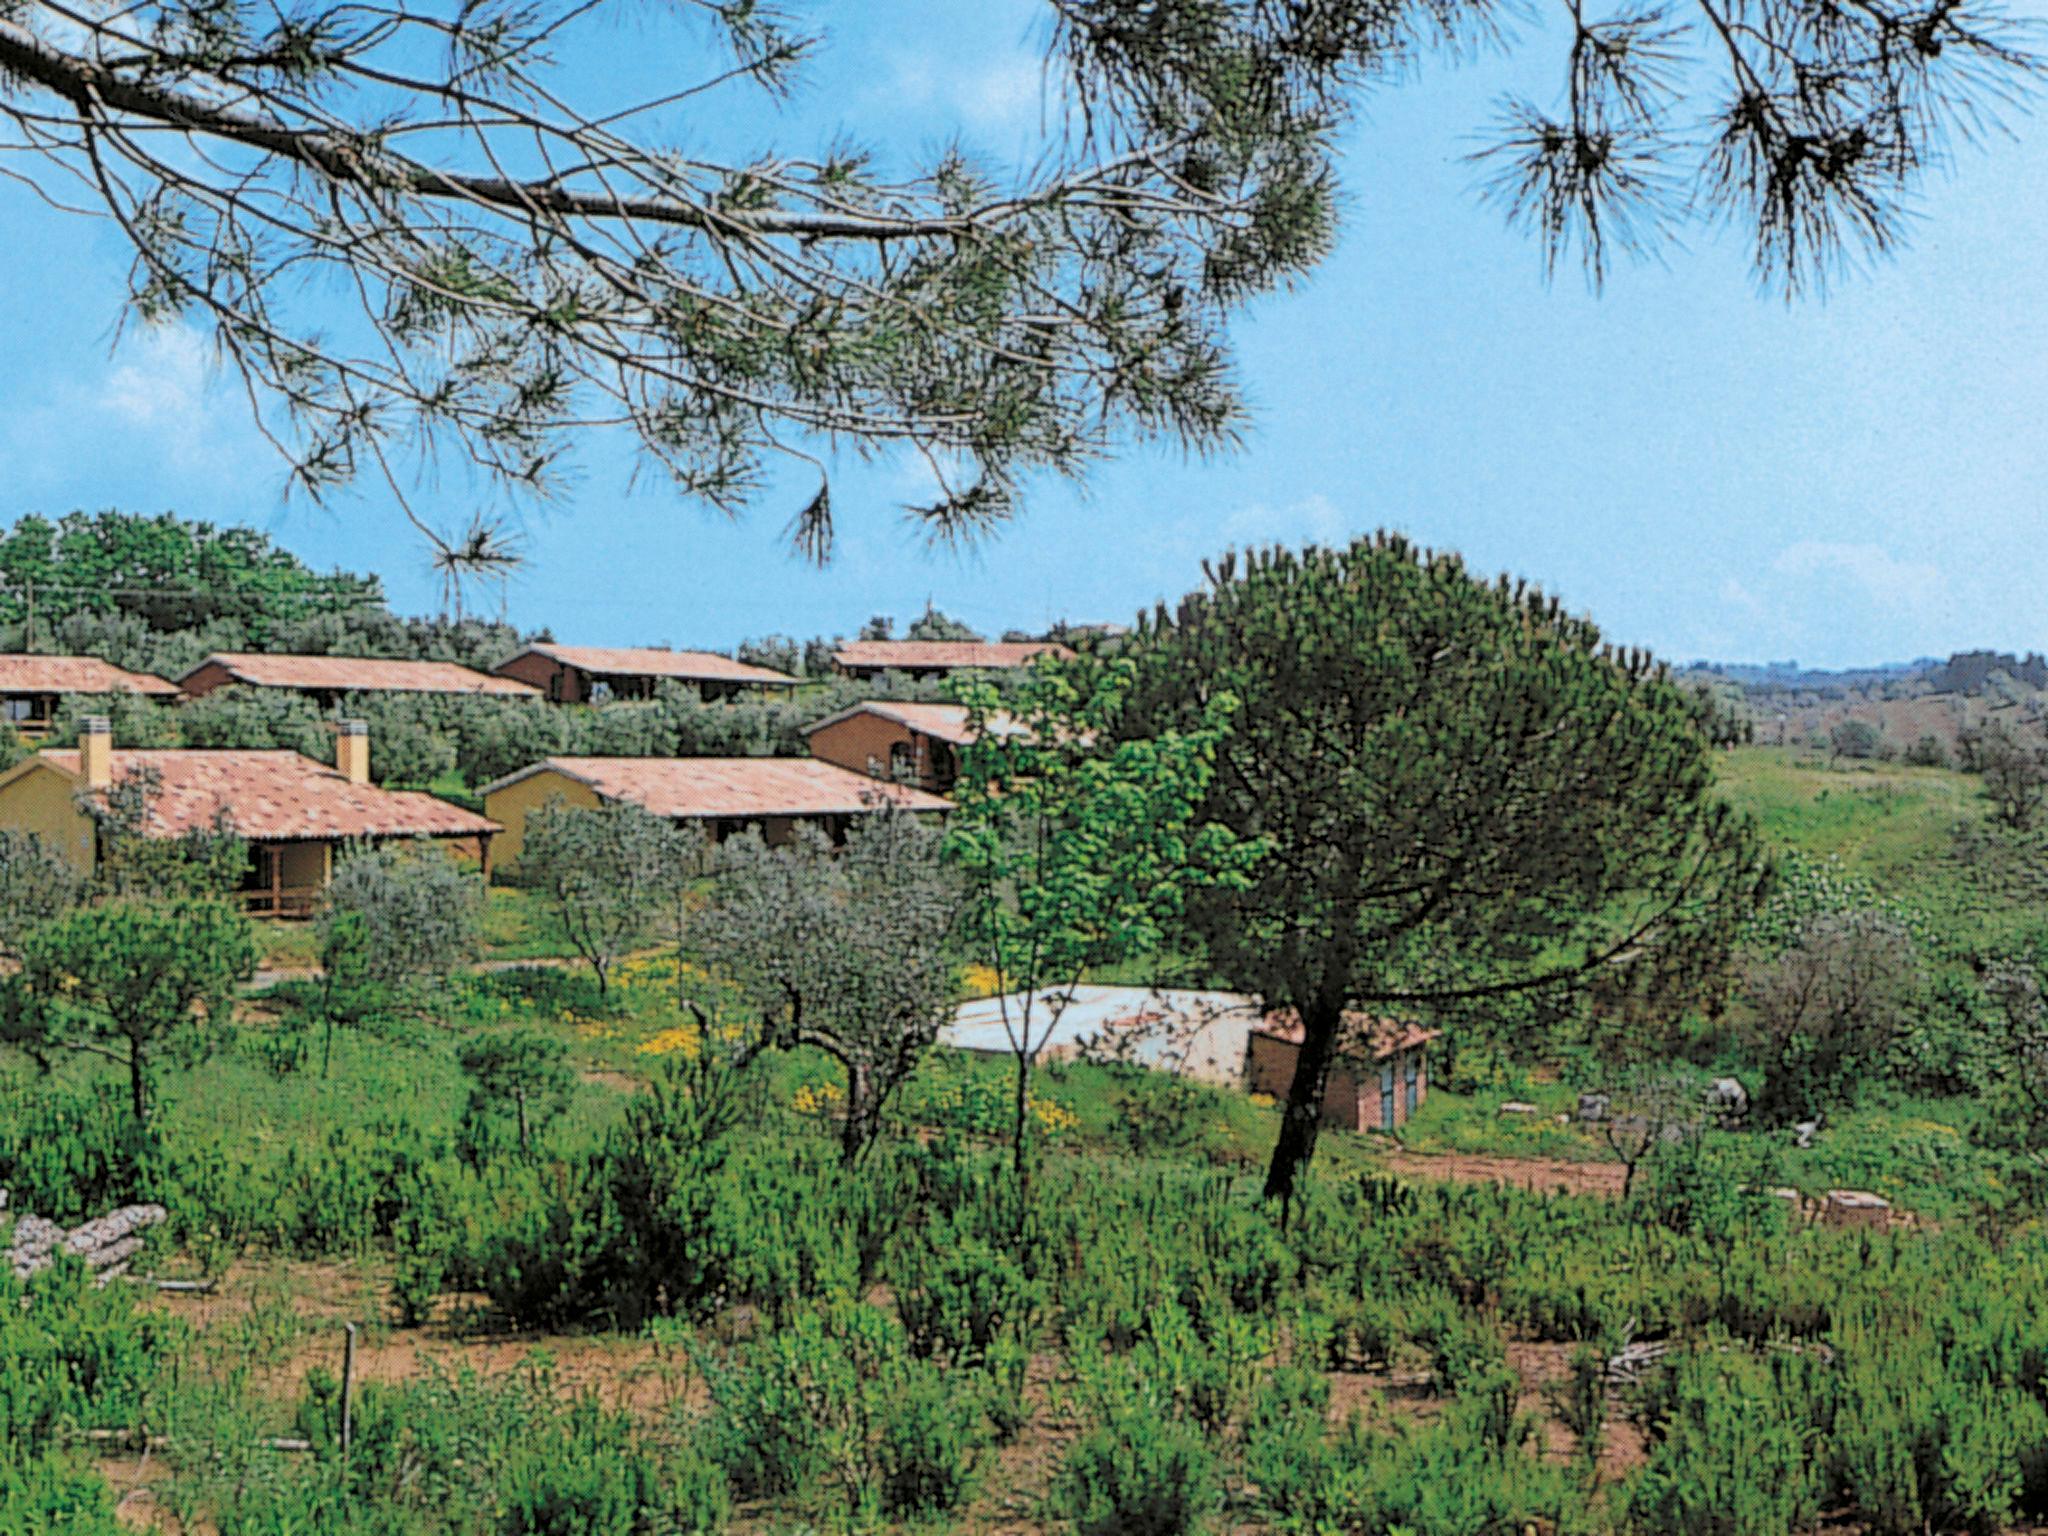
{"x":1908,"y":702}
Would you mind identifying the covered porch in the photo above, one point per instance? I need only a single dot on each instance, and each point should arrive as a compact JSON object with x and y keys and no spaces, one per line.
{"x":286,"y":879}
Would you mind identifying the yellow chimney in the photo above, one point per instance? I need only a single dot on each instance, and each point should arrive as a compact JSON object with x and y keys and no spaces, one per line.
{"x":352,"y":751}
{"x":96,"y":751}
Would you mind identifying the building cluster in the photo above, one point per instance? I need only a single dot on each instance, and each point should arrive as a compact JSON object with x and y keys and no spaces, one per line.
{"x":297,"y":813}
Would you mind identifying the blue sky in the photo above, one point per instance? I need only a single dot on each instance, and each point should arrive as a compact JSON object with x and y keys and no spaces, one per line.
{"x":1705,"y":470}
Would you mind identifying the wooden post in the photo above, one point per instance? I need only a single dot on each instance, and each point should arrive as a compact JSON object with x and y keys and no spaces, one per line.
{"x":348,"y":1381}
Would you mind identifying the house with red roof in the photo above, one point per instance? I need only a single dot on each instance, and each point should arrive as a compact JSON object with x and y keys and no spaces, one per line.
{"x":327,"y":680}
{"x":295,"y":813}
{"x":580,"y":674}
{"x":723,"y":795}
{"x":32,"y":685}
{"x":940,"y":658}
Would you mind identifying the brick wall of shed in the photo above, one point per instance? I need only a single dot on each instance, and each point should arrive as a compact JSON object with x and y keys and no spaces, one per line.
{"x":1351,"y":1094}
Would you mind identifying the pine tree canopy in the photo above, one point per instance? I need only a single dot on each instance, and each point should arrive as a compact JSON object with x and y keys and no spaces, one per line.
{"x":418,"y":233}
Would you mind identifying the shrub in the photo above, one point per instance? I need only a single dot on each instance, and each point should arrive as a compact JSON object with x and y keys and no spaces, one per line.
{"x":1140,"y":1473}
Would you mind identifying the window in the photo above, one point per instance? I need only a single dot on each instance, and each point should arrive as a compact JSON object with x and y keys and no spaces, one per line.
{"x":1413,"y":1074}
{"x":902,"y":761}
{"x":1387,"y":1097}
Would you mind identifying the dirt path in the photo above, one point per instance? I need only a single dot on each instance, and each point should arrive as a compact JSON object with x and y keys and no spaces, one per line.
{"x":1545,"y":1175}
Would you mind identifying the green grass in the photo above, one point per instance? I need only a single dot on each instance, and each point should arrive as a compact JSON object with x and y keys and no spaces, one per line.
{"x":1882,"y":820}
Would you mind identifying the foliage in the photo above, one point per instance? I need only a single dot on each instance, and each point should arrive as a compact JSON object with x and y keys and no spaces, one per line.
{"x":419,"y":911}
{"x":2015,"y":774}
{"x":1456,"y":791}
{"x":833,"y":1406}
{"x":128,"y":979}
{"x":1137,"y":1474}
{"x":524,"y":1073}
{"x":606,"y":872}
{"x":36,"y":884}
{"x":1856,"y":740}
{"x":1829,"y":1008}
{"x":847,"y":950}
{"x":1077,"y":848}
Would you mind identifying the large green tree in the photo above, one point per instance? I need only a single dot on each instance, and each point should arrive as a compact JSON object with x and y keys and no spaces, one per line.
{"x":427,"y":228}
{"x":1458,"y":792}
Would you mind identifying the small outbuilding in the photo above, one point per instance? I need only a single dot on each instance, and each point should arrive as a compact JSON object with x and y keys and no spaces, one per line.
{"x":1379,"y":1078}
{"x":723,"y":795}
{"x":581,"y":674}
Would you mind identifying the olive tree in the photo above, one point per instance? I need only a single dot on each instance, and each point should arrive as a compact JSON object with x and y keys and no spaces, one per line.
{"x":607,"y":873}
{"x":1456,"y":791}
{"x":2015,"y":774}
{"x":847,"y":950}
{"x":36,"y":884}
{"x":430,"y":228}
{"x":421,"y":910}
{"x":1828,"y":1008}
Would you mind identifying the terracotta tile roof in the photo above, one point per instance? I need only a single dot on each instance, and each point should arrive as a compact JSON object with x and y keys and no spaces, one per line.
{"x":280,"y":796}
{"x":944,"y":653}
{"x":75,"y":674}
{"x":360,"y":674}
{"x":658,"y":661}
{"x":942,"y":722}
{"x":705,"y":787}
{"x":1362,"y":1034}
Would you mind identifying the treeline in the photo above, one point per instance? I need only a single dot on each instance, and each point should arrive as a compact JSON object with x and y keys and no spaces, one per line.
{"x":160,"y":594}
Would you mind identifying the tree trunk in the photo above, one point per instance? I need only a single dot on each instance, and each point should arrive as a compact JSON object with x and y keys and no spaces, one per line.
{"x":1020,"y":1146}
{"x":853,"y":1130}
{"x":1303,"y":1115}
{"x":138,"y":1082}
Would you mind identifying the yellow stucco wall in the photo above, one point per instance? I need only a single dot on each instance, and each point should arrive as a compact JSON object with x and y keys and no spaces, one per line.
{"x":44,"y":801}
{"x":509,"y":807}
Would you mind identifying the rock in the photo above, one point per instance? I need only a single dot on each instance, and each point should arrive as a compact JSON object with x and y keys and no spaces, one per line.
{"x":1856,"y":1208}
{"x":1728,"y":1096}
{"x":1517,"y":1107}
{"x":1594,"y":1106}
{"x":1804,"y":1132}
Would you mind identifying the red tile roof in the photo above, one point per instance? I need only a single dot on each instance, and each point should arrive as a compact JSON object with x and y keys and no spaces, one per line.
{"x":1360,"y":1033}
{"x":359,"y":674}
{"x":740,"y":787}
{"x":943,"y":722}
{"x":944,"y":653}
{"x":279,"y":796}
{"x":658,"y":661}
{"x":75,"y":674}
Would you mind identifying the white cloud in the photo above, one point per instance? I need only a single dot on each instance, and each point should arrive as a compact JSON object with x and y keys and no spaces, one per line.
{"x":1908,"y":587}
{"x":162,"y":383}
{"x":1313,"y":519}
{"x":999,"y":98}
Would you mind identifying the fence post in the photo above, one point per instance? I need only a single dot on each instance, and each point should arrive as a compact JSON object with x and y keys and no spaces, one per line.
{"x":348,"y":1379}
